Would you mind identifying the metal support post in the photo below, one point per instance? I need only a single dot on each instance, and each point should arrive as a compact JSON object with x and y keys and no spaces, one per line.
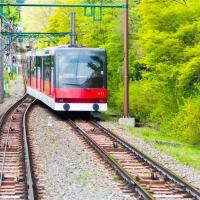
{"x":63,"y":5}
{"x":126,"y":76}
{"x":72,"y":29}
{"x":11,"y":63}
{"x":1,"y":63}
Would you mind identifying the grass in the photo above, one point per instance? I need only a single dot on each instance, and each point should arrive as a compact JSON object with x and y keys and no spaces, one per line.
{"x":109,"y":116}
{"x":185,"y":153}
{"x":84,"y":176}
{"x":115,"y":176}
{"x":8,"y":82}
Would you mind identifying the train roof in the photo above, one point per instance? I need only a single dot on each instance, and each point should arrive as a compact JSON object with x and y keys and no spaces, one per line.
{"x":52,"y":50}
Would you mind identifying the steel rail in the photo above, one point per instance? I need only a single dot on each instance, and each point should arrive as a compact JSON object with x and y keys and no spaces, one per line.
{"x":115,"y":165}
{"x":5,"y":114}
{"x":29,"y":177}
{"x":2,"y":120}
{"x":167,"y":173}
{"x":5,"y":151}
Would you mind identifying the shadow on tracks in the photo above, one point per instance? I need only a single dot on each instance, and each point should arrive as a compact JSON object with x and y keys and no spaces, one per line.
{"x":64,"y":115}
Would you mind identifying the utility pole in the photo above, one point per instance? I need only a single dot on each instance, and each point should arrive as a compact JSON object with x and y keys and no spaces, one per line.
{"x":126,"y":76}
{"x":126,"y":120}
{"x":1,"y":62}
{"x":72,"y":29}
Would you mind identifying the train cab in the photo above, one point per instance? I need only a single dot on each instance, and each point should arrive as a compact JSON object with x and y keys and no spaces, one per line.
{"x":68,"y":79}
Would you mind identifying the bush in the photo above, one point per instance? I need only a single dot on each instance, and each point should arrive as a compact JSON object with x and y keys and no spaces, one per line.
{"x":6,"y":76}
{"x":186,"y":125}
{"x":6,"y":81}
{"x":141,"y":100}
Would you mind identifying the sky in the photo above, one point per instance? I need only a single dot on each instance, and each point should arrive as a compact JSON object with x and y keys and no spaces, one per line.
{"x":35,"y":19}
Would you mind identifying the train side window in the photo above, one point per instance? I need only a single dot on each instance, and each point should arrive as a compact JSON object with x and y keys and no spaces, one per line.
{"x":33,"y":66}
{"x":38,"y":64}
{"x":38,"y":61}
{"x":46,"y":70}
{"x":38,"y":72}
{"x":52,"y":71}
{"x":51,"y":66}
{"x":28,"y":70}
{"x":52,"y":61}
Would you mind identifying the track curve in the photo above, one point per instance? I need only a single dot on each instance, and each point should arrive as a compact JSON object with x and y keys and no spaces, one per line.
{"x":15,"y":169}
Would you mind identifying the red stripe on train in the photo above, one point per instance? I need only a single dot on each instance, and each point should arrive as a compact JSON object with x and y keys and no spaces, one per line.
{"x":90,"y":93}
{"x":72,"y":95}
{"x":81,"y":95}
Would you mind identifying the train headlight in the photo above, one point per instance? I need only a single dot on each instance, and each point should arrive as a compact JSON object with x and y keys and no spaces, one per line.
{"x":66,"y":106}
{"x":95,"y":107}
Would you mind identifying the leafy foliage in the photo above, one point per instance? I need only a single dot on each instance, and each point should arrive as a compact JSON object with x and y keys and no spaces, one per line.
{"x":169,"y":41}
{"x":186,"y":123}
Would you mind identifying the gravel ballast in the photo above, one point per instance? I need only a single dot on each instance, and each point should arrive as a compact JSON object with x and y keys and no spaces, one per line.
{"x":69,"y":170}
{"x":191,"y":175}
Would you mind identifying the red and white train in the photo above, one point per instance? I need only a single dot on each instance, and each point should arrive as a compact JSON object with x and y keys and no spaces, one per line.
{"x":68,"y":79}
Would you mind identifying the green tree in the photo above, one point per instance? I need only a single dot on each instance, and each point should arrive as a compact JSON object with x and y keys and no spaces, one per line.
{"x":168,"y":48}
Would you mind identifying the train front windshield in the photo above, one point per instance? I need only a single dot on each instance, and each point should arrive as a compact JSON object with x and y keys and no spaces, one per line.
{"x":81,"y":71}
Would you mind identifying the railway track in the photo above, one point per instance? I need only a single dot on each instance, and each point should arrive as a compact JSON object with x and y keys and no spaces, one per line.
{"x":15,"y":165}
{"x":146,"y":177}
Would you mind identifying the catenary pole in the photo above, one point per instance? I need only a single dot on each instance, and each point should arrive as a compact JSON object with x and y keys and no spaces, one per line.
{"x":72,"y":29}
{"x":126,"y":78}
{"x":1,"y":63}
